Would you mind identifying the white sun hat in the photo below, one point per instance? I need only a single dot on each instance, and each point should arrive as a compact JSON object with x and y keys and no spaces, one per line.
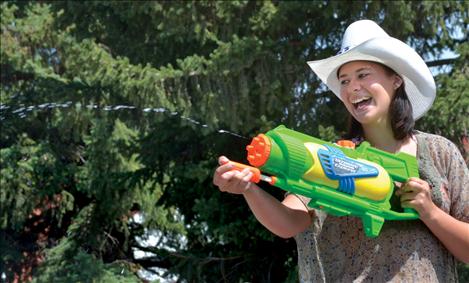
{"x":365,"y":40}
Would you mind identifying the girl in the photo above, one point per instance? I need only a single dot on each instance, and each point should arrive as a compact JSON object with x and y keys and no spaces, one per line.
{"x":385,"y":85}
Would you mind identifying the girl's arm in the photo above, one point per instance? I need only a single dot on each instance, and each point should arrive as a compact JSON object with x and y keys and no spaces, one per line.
{"x":285,"y":219}
{"x":453,"y":233}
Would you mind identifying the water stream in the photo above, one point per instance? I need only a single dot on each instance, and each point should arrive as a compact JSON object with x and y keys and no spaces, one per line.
{"x":24,"y":110}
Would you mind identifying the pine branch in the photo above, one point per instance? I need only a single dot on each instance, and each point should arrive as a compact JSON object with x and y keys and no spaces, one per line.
{"x":162,"y":258}
{"x":441,"y":62}
{"x":153,"y":261}
{"x":10,"y":76}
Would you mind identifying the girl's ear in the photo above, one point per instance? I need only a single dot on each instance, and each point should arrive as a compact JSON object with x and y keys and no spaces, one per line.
{"x":397,"y":81}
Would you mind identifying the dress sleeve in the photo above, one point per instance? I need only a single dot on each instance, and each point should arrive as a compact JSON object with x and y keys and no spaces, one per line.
{"x":303,"y":199}
{"x":458,"y":183}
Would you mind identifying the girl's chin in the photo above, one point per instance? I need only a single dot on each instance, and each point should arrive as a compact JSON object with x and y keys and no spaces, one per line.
{"x":365,"y":118}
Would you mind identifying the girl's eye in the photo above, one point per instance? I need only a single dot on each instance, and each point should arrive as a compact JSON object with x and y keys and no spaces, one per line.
{"x":361,"y":76}
{"x":344,"y":82}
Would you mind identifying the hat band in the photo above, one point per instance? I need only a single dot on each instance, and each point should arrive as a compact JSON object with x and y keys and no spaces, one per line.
{"x":345,"y":49}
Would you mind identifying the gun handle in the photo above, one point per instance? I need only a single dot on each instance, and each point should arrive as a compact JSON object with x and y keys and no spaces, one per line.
{"x":256,"y":173}
{"x":410,"y":210}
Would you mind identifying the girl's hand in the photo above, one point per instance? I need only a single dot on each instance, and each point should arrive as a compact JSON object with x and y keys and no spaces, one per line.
{"x":416,"y":193}
{"x":229,"y":180}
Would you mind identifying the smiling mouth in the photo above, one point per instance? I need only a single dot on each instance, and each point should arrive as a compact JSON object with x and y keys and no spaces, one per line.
{"x":361,"y":102}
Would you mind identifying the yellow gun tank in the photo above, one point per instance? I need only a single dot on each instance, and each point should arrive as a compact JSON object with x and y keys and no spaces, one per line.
{"x":373,"y":188}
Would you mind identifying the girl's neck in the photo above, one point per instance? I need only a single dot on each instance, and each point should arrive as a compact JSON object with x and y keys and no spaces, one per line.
{"x":385,"y":140}
{"x":382,"y":138}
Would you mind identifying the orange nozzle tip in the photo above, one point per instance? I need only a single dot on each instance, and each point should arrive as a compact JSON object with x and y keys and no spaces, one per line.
{"x":259,"y":150}
{"x":273,"y":180}
{"x":346,"y":143}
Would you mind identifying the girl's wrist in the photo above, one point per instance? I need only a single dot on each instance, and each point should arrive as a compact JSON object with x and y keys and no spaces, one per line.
{"x":430,"y":214}
{"x":249,"y":189}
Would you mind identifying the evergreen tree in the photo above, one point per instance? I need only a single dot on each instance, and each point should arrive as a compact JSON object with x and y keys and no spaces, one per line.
{"x":113,"y":114}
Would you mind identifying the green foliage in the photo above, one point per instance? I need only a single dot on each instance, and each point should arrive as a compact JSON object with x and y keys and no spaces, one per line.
{"x":463,"y":272}
{"x":33,"y":171}
{"x":449,"y":115}
{"x":111,"y":115}
{"x":68,"y":263}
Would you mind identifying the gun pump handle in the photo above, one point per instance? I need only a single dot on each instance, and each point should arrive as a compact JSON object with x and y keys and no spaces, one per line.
{"x":256,"y":173}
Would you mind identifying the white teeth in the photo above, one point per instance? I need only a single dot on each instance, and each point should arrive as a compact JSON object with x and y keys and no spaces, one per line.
{"x":359,"y":99}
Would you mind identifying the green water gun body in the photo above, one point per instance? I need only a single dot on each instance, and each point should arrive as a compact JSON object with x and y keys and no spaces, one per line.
{"x":338,"y":179}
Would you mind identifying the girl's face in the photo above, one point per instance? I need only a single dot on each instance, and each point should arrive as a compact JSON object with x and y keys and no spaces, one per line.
{"x":367,"y":90}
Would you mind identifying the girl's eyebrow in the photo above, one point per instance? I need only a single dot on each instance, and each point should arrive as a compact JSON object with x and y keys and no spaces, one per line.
{"x":356,"y":71}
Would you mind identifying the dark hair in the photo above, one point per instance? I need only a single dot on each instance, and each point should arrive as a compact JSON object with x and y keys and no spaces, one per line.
{"x":400,"y":112}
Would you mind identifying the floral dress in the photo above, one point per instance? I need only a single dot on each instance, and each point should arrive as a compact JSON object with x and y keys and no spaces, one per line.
{"x":335,"y":249}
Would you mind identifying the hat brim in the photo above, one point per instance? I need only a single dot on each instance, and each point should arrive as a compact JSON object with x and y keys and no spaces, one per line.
{"x":419,"y":83}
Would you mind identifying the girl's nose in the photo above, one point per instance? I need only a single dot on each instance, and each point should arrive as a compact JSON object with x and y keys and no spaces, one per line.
{"x":354,"y":86}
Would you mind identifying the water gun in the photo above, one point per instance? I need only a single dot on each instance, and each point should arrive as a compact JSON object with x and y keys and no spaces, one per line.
{"x":338,"y":178}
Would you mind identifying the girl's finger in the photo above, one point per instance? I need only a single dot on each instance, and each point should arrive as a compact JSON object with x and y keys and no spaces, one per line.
{"x":406,"y":204}
{"x":228,"y":175}
{"x":223,"y":160}
{"x":248,"y":177}
{"x":408,"y":196}
{"x":223,"y":168}
{"x":416,"y":180}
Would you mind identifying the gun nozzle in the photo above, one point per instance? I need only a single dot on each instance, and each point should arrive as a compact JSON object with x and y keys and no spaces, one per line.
{"x":346,"y":143}
{"x":259,"y":150}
